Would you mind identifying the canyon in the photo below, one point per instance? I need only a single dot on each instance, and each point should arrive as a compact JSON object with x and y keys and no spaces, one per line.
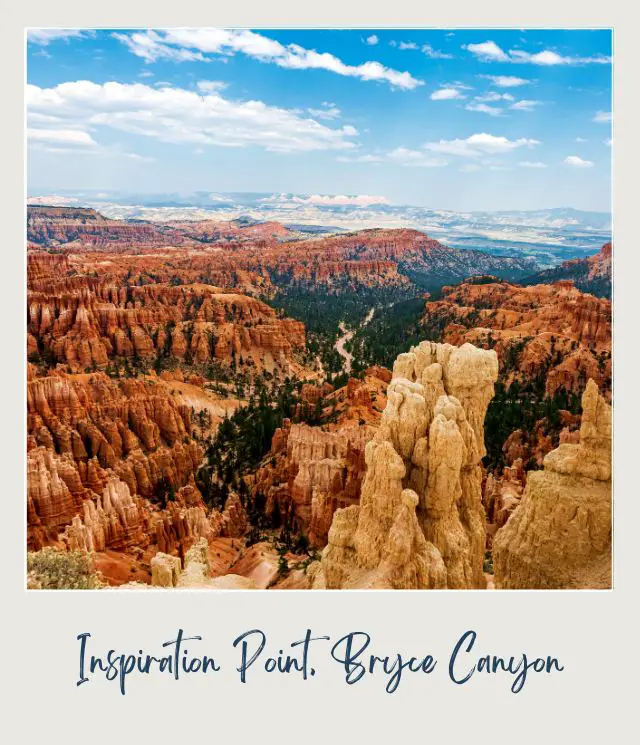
{"x":197,"y":415}
{"x":389,"y":257}
{"x":87,"y":321}
{"x":555,"y":329}
{"x":592,"y":274}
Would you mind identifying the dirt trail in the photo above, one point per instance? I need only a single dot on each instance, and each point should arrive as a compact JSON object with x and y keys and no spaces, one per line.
{"x":347,"y":335}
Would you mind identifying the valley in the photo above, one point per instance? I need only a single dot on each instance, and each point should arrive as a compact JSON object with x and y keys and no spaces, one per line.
{"x":242,"y":404}
{"x":346,"y":336}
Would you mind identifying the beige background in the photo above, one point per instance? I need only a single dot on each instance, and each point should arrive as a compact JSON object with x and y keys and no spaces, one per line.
{"x":593,"y":633}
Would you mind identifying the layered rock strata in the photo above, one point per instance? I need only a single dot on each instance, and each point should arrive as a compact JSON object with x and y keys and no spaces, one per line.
{"x":85,"y":323}
{"x":111,"y":465}
{"x":560,"y":534}
{"x":592,"y":274}
{"x":554,"y":331}
{"x":311,"y":471}
{"x":420,"y":520}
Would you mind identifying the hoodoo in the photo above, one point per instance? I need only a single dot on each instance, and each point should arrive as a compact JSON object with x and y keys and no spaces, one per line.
{"x":560,"y":534}
{"x":420,"y":521}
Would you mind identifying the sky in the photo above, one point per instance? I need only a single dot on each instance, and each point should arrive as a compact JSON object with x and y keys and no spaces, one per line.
{"x":446,"y":119}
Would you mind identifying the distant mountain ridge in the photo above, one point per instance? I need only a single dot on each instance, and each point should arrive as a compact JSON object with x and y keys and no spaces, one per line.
{"x":592,"y":275}
{"x":412,"y":254}
{"x":550,"y":236}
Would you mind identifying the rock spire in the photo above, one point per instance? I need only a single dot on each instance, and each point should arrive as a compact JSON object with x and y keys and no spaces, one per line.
{"x":560,"y":534}
{"x":420,"y":521}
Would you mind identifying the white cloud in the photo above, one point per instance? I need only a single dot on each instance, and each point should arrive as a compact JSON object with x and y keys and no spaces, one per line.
{"x":414,"y":158}
{"x":489,"y":51}
{"x":531,"y":164}
{"x":506,"y":81}
{"x":66,"y":137}
{"x":458,"y":84}
{"x":44,"y":36}
{"x":445,"y":94}
{"x":576,"y":162}
{"x":549,"y":58}
{"x":581,"y":139}
{"x":469,"y":168}
{"x":607,"y":142}
{"x":372,"y":40}
{"x":602,"y":117}
{"x":400,"y":156}
{"x":327,"y":111}
{"x":184,"y":44}
{"x":434,"y":53}
{"x":360,"y":158}
{"x":525,"y":105}
{"x":424,"y":48}
{"x":211,"y":85}
{"x":493,"y":96}
{"x":150,"y":47}
{"x":180,"y":116}
{"x":303,"y":59}
{"x":334,"y":200}
{"x":479,"y":144}
{"x":75,"y":143}
{"x":483,"y":108}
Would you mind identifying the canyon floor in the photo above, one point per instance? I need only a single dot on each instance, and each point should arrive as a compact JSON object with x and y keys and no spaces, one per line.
{"x":239,"y":405}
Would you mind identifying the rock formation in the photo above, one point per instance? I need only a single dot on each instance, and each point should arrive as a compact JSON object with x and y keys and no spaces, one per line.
{"x":554,"y":331}
{"x":420,"y":520}
{"x":592,"y":274}
{"x":560,"y":534}
{"x":53,"y":226}
{"x":167,"y":572}
{"x":84,"y":323}
{"x":259,"y":255}
{"x":311,"y":471}
{"x":133,"y":324}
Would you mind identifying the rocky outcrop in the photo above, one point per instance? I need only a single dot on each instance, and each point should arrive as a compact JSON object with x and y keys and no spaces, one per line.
{"x":560,"y":534}
{"x":501,"y":495}
{"x":167,"y":572}
{"x":115,"y":520}
{"x":54,"y":495}
{"x":311,"y":471}
{"x":554,"y":331}
{"x":592,"y":274}
{"x":257,"y":256}
{"x":55,"y":226}
{"x":420,"y":520}
{"x":84,"y":324}
{"x":111,"y":465}
{"x":131,"y":426}
{"x":414,"y":251}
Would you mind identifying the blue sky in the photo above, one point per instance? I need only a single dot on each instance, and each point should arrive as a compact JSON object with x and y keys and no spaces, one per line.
{"x":461,"y":119}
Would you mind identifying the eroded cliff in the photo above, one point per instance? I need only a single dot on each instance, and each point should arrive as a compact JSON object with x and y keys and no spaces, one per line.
{"x":560,"y":534}
{"x":420,"y":520}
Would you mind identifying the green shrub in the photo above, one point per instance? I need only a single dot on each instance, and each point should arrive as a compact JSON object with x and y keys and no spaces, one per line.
{"x":50,"y":569}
